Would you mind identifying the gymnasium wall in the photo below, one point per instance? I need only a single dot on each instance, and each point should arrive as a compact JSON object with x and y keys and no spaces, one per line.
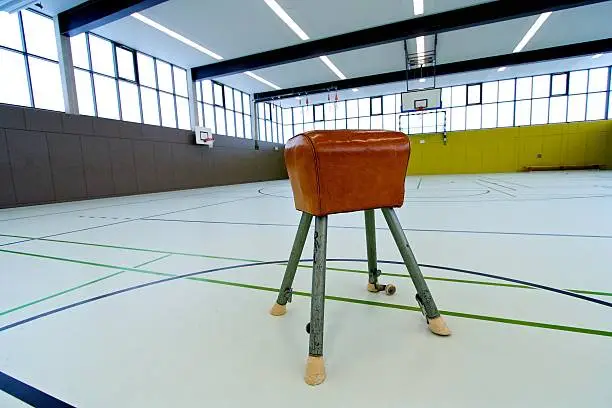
{"x":512,"y":149}
{"x":50,"y":156}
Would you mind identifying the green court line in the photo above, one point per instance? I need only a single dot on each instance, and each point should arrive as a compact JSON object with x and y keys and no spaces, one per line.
{"x":434,"y":278}
{"x":59,"y":293}
{"x":72,"y":289}
{"x":340,"y":298}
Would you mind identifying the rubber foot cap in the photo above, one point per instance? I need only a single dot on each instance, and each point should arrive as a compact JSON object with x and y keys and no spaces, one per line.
{"x":315,"y":370}
{"x":278,"y":310}
{"x":438,"y":326}
{"x":372,"y":288}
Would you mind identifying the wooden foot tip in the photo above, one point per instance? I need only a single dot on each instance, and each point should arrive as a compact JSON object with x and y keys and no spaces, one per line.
{"x":278,"y":310}
{"x":438,"y":326}
{"x":315,"y":370}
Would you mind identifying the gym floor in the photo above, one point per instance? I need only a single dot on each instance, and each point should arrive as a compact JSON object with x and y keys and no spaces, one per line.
{"x":90,"y":314}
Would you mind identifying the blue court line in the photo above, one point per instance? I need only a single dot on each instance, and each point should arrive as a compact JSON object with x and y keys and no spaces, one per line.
{"x":28,"y":394}
{"x":543,"y":234}
{"x":250,"y":264}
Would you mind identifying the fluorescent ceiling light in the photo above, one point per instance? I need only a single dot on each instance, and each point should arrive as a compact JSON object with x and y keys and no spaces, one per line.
{"x":263,"y":81}
{"x":532,"y":31}
{"x":355,"y":89}
{"x":176,"y":36}
{"x":597,"y":56}
{"x":502,"y":69}
{"x":331,"y":66}
{"x":282,"y":14}
{"x":418,"y":7}
{"x":195,"y":45}
{"x":420,"y":43}
{"x":286,"y":19}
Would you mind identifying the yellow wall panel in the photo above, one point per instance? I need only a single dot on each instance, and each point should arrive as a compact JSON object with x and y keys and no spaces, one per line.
{"x":513,"y":149}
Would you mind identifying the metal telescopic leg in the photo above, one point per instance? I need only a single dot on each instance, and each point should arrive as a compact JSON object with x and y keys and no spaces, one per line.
{"x":373,"y":272}
{"x":317,"y":301}
{"x":284,"y":295}
{"x":370,"y":226}
{"x":423,"y":295}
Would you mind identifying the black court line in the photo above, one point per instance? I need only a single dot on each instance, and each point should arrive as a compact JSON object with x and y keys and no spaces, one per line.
{"x":509,"y":182}
{"x":497,"y":184}
{"x":495,"y":189}
{"x":262,"y":224}
{"x":28,"y":394}
{"x":140,"y":219}
{"x":251,"y":264}
{"x":419,"y":185}
{"x":106,"y":206}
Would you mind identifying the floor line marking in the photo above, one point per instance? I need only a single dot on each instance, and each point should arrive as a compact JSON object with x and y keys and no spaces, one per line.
{"x":28,"y":394}
{"x":427,"y":277}
{"x":299,"y":293}
{"x":497,"y":184}
{"x":72,"y":289}
{"x":495,"y":189}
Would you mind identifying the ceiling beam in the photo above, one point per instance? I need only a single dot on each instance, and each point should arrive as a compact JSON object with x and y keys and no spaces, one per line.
{"x":525,"y":57}
{"x":472,"y":16}
{"x":95,"y":13}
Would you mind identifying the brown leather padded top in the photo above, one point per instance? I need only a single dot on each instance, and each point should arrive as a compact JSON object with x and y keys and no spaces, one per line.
{"x":335,"y":171}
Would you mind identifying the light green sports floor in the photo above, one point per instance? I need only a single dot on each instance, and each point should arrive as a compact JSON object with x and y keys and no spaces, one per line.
{"x":208,"y":340}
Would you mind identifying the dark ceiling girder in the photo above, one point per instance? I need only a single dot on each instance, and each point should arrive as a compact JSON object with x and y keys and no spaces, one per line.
{"x":525,"y":57}
{"x":472,"y":16}
{"x":96,"y":13}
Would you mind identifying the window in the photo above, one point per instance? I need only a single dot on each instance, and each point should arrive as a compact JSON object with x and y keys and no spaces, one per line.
{"x":78,"y":47}
{"x":101,"y":55}
{"x":238,"y":100}
{"x":318,"y":112}
{"x":218,"y":93}
{"x":598,"y":79}
{"x":541,"y":86}
{"x":29,"y":71}
{"x":539,"y":111}
{"x":209,"y":118}
{"x":457,"y":118}
{"x":180,"y":81}
{"x":246,"y":99}
{"x":506,"y":90}
{"x":376,"y":108}
{"x":596,"y":106}
{"x":459,"y":95}
{"x":489,"y":92}
{"x":130,"y":102}
{"x":352,"y":108}
{"x":10,"y":32}
{"x":150,"y":106}
{"x":473,"y":120}
{"x":146,"y":70}
{"x":388,"y":102}
{"x":330,"y":112}
{"x":446,"y":97}
{"x":207,"y":91}
{"x":340,"y":111}
{"x":13,"y":79}
{"x":474,"y":94}
{"x":522,"y":114}
{"x":128,"y":85}
{"x":523,"y":88}
{"x":558,"y":109}
{"x":220,"y":120}
{"x":489,"y":115}
{"x":505,"y":113}
{"x":107,"y":103}
{"x":229,"y":120}
{"x":352,"y":123}
{"x":39,"y":34}
{"x":84,"y":92}
{"x":578,"y":82}
{"x":559,"y":85}
{"x":229,"y":97}
{"x":364,"y":122}
{"x":576,"y":109}
{"x":239,"y":124}
{"x":125,"y":64}
{"x":164,"y":76}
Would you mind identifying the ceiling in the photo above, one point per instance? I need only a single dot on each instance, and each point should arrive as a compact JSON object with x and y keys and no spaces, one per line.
{"x":234,"y":28}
